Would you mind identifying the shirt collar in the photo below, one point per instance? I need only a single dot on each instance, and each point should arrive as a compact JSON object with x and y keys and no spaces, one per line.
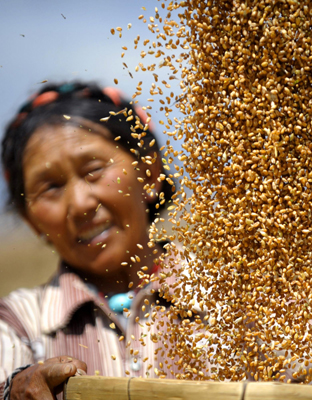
{"x":67,"y":292}
{"x":63,"y":296}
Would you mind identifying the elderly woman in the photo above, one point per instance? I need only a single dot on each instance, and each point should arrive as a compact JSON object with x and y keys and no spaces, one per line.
{"x":81,"y":184}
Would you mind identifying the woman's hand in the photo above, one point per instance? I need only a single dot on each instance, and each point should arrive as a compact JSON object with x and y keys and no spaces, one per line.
{"x":41,"y":381}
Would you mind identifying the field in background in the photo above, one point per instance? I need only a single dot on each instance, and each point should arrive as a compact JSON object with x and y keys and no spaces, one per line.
{"x":25,"y":261}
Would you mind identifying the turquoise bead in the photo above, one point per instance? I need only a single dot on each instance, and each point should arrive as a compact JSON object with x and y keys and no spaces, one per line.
{"x":67,"y":87}
{"x":119,"y":301}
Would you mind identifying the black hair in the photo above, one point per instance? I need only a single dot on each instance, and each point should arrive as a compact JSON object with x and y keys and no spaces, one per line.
{"x":86,"y":101}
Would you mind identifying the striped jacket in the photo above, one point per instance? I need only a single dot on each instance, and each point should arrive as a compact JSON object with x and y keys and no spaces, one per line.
{"x":64,"y":317}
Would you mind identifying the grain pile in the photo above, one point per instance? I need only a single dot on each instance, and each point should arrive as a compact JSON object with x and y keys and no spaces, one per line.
{"x":245,"y":104}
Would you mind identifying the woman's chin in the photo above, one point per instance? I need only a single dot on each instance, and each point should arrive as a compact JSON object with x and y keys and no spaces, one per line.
{"x":102,"y":263}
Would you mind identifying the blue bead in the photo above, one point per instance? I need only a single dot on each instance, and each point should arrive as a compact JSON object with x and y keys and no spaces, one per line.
{"x":119,"y":301}
{"x":67,"y":87}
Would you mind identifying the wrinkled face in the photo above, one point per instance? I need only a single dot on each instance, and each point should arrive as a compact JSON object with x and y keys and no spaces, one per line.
{"x":82,"y":192}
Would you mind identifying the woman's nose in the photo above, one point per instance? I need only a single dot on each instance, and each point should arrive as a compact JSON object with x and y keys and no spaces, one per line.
{"x":81,"y":199}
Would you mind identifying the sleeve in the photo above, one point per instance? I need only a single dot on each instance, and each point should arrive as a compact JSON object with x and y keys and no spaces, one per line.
{"x":6,"y":386}
{"x":14,"y":353}
{"x":298,"y":372}
{"x":286,"y":369}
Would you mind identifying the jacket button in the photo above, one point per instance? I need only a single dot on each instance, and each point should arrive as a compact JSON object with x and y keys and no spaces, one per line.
{"x":135,"y":364}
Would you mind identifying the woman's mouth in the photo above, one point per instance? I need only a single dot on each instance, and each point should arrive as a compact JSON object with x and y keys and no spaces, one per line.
{"x":97,"y":234}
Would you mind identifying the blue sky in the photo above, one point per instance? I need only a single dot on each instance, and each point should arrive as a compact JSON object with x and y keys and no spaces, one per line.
{"x":58,"y":40}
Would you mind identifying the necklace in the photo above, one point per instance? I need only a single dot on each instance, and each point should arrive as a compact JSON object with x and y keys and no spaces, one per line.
{"x":117,"y":302}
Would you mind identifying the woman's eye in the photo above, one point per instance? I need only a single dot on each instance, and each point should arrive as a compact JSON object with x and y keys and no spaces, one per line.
{"x":51,"y":187}
{"x":95,"y":173}
{"x":97,"y":169}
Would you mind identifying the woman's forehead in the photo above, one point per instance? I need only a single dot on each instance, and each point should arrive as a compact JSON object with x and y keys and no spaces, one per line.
{"x":55,"y":141}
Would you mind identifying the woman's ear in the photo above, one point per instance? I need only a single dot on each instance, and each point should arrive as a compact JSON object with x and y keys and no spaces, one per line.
{"x":35,"y":228}
{"x":42,"y":236}
{"x":151,"y":173}
{"x":32,"y":226}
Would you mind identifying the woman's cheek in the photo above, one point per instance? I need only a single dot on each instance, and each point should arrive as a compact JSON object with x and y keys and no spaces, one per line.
{"x":44,"y":213}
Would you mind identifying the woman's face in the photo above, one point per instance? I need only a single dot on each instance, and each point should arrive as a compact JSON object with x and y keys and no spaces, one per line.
{"x":82,"y":192}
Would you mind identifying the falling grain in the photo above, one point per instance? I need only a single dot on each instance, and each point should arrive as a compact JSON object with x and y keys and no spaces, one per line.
{"x":242,"y":211}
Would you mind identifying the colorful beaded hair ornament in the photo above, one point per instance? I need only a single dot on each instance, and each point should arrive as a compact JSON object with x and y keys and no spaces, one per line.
{"x":47,"y":96}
